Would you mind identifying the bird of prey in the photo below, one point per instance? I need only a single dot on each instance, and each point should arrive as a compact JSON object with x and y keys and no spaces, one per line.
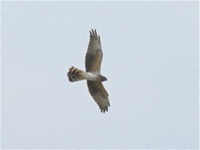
{"x":92,"y":74}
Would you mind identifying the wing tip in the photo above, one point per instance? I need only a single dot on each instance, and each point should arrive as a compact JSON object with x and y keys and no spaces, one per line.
{"x":93,"y":33}
{"x":105,"y":109}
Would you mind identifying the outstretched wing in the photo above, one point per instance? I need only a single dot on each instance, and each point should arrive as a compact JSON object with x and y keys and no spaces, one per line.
{"x":94,"y":53}
{"x":99,"y":94}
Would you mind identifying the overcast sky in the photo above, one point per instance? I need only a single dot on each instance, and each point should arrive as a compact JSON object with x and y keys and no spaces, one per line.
{"x":150,"y":60}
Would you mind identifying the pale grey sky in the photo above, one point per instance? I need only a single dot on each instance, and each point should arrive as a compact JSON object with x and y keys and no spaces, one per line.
{"x":150,"y":60}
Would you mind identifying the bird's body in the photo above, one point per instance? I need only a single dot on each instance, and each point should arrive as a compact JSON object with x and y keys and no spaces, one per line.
{"x":93,"y":76}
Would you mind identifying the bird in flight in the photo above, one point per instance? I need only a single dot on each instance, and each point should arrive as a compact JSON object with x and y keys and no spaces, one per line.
{"x":92,"y":74}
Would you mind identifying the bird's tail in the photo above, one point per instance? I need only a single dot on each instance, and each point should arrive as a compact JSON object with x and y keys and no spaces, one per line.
{"x":75,"y":74}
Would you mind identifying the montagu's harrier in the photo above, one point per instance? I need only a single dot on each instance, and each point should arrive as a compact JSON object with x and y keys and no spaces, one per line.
{"x":93,"y":76}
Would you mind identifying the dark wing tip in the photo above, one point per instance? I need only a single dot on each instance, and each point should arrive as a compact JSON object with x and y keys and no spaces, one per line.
{"x":104,"y":109}
{"x":93,"y":33}
{"x":99,"y":38}
{"x":90,"y":33}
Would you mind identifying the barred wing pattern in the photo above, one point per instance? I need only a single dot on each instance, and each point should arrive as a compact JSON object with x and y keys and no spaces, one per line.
{"x":99,"y":94}
{"x":94,"y":53}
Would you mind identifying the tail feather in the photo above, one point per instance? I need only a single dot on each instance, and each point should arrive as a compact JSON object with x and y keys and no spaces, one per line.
{"x":74,"y":74}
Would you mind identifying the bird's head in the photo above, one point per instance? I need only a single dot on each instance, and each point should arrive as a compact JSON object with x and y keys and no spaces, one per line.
{"x":102,"y":78}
